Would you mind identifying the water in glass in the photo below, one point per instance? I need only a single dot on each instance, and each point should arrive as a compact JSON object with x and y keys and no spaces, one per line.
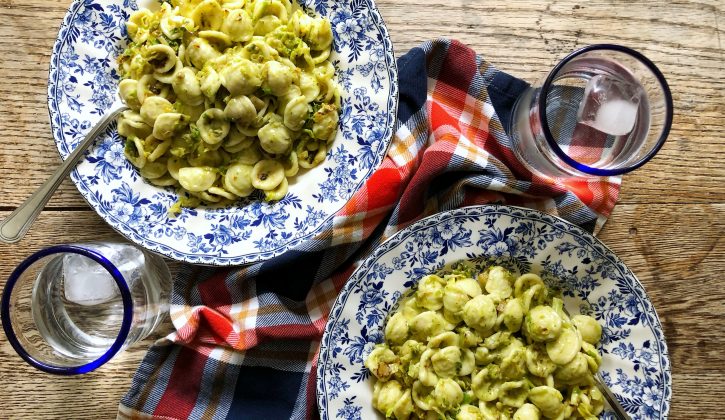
{"x":612,"y":111}
{"x":80,"y":315}
{"x":603,"y":110}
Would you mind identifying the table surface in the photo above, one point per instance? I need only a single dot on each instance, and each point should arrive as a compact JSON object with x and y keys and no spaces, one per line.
{"x":667,"y":227}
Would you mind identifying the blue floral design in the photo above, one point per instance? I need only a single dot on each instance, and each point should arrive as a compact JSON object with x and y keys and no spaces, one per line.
{"x":589,"y":276}
{"x":82,"y":86}
{"x":340,"y":182}
{"x":354,"y":29}
{"x":349,"y":411}
{"x":109,"y":159}
{"x":337,"y":385}
{"x":375,"y":68}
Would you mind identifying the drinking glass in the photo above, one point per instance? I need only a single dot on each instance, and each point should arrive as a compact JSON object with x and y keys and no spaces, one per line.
{"x":68,"y":309}
{"x":603,"y":110}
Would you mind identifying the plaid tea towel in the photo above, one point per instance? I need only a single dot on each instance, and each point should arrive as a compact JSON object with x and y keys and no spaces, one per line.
{"x":246,"y":339}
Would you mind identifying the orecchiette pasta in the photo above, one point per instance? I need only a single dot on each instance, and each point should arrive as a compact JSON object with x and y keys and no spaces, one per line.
{"x":267,"y":174}
{"x":563,"y":349}
{"x":238,"y":25}
{"x":468,"y":412}
{"x":490,"y":345}
{"x":153,"y":107}
{"x":275,"y":138}
{"x":445,"y":339}
{"x":396,"y":331}
{"x":527,"y":411}
{"x":227,"y":97}
{"x":543,"y":323}
{"x":430,"y":292}
{"x":168,"y":124}
{"x":448,"y":394}
{"x":277,"y":192}
{"x":447,"y":361}
{"x":133,"y":125}
{"x":588,"y":327}
{"x":480,"y":313}
{"x":241,"y":110}
{"x":213,"y":126}
{"x":197,"y":179}
{"x":154,"y":170}
{"x":127,"y":92}
{"x":513,"y":361}
{"x":186,"y":87}
{"x":238,"y":179}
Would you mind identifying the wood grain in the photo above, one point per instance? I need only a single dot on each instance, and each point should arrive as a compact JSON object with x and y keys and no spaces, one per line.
{"x":525,"y":38}
{"x":668,"y":227}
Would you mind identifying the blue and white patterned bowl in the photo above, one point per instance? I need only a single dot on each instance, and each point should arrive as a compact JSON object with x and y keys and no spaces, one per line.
{"x":82,"y":85}
{"x":594,"y":281}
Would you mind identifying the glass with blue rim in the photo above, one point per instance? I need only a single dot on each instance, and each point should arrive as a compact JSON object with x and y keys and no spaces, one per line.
{"x":604,"y":110}
{"x":69,"y":309}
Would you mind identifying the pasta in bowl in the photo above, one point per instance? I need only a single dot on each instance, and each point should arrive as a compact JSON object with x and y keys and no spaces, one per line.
{"x":470,"y":345}
{"x":227,"y":98}
{"x":207,"y":175}
{"x":442,"y":284}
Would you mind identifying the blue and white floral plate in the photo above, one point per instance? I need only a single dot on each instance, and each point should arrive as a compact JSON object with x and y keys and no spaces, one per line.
{"x":82,"y":85}
{"x":594,"y":281}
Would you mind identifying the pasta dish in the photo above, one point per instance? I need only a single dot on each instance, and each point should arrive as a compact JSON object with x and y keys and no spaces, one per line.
{"x":227,"y":97}
{"x":486,"y":345}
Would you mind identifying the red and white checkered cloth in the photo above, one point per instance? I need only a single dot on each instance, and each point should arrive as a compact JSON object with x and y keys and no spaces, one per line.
{"x":246,"y":339}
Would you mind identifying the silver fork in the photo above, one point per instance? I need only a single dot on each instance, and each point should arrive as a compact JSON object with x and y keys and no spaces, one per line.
{"x":16,"y":225}
{"x":611,"y":398}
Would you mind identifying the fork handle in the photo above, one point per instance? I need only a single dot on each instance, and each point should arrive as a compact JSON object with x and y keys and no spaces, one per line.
{"x":16,"y":225}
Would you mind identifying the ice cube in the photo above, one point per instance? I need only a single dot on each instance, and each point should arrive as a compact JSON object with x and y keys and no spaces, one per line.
{"x":610,"y":105}
{"x":128,"y":259}
{"x":87,"y":282}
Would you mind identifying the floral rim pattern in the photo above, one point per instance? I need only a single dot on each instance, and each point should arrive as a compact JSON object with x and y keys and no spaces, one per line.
{"x":592,"y":279}
{"x":82,"y":86}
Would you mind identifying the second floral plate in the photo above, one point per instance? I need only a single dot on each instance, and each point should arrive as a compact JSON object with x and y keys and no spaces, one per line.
{"x":635,"y":363}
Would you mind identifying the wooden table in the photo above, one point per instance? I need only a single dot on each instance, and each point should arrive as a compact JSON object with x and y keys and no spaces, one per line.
{"x":668,"y":225}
